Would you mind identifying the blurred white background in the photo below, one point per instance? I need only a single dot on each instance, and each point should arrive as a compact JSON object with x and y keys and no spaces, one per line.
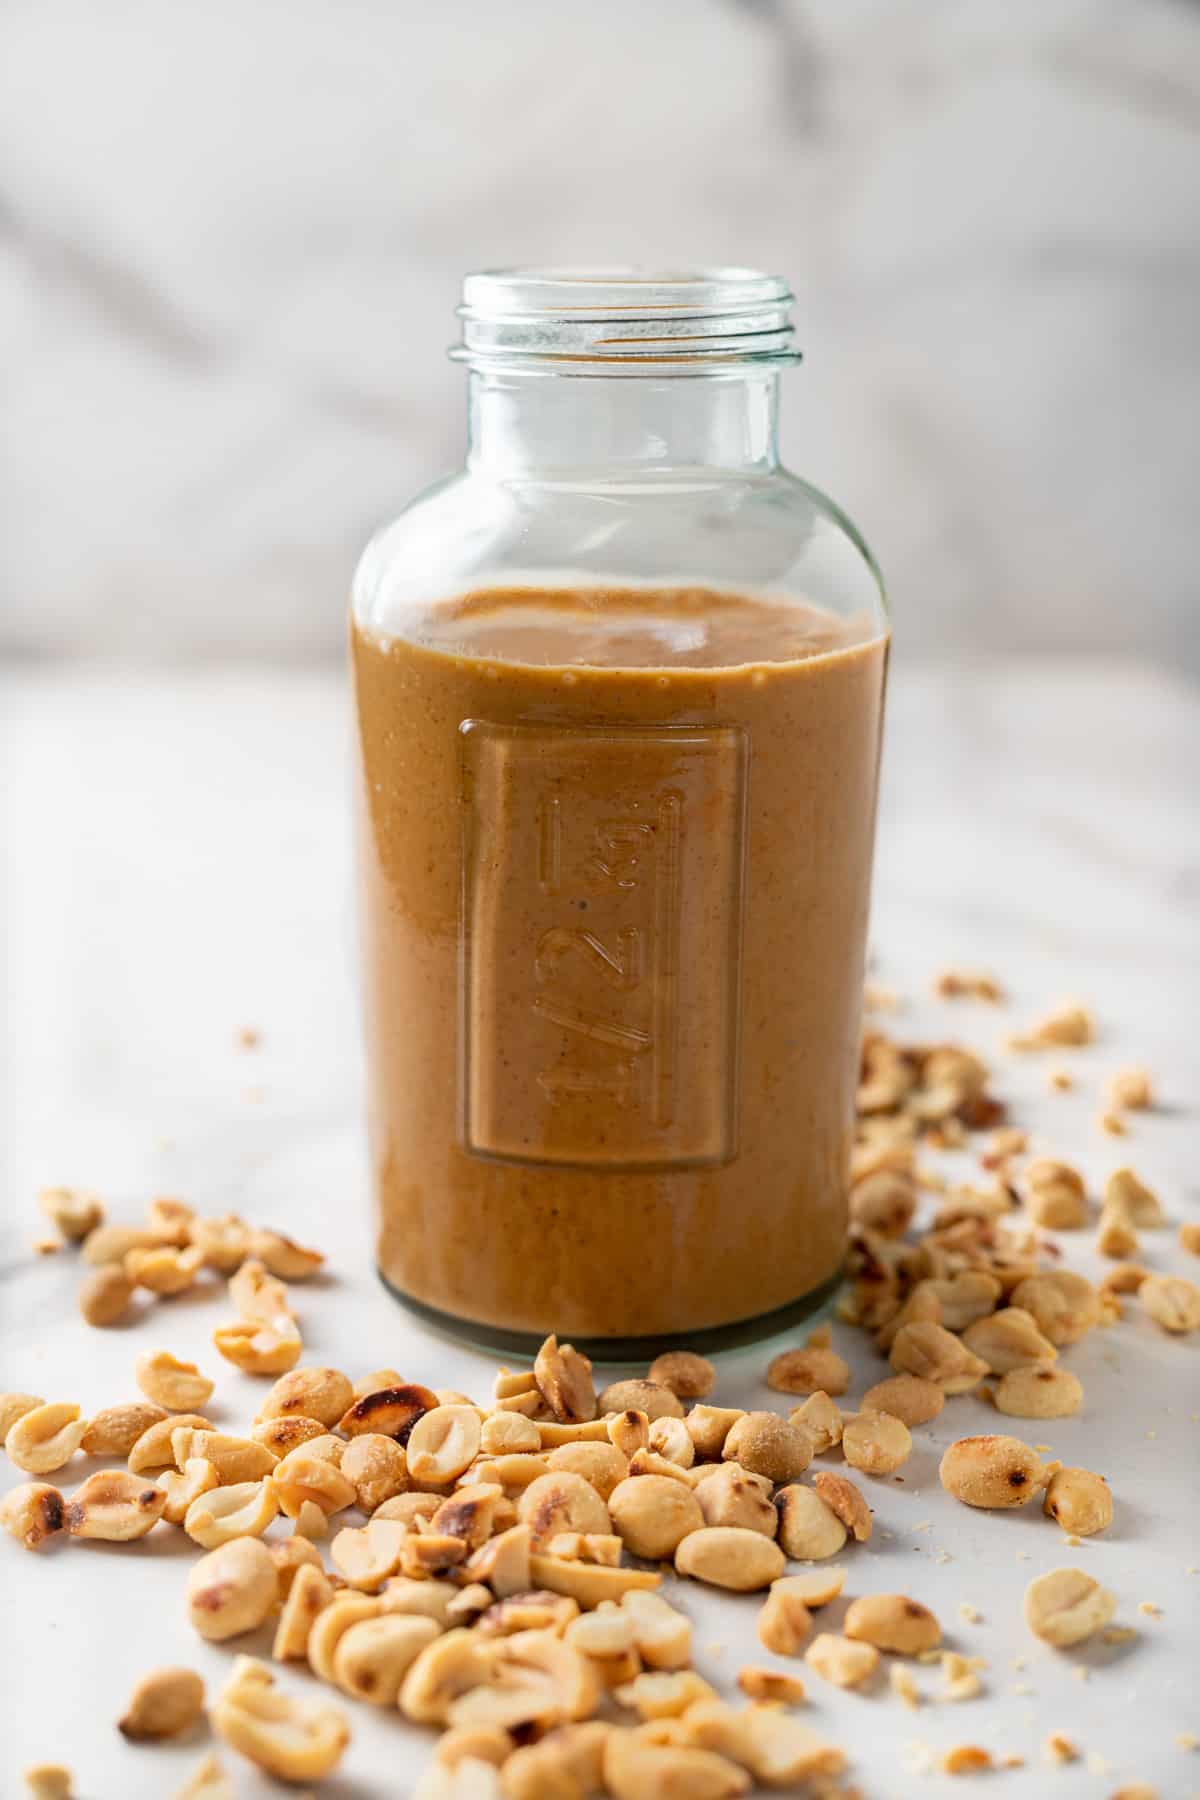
{"x":231,"y":238}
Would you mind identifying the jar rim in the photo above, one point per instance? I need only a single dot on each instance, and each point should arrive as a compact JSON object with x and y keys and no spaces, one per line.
{"x":622,"y":316}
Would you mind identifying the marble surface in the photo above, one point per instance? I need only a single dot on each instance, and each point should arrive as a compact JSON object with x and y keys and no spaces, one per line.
{"x":232,"y":241}
{"x":175,"y":866}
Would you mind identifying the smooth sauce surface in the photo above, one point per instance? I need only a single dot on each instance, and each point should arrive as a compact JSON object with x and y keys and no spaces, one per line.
{"x":615,"y":853}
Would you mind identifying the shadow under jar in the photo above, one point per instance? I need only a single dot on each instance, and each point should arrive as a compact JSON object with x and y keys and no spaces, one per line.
{"x":619,"y":692}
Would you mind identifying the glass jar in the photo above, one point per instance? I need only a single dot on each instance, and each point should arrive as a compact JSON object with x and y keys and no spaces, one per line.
{"x":619,"y":692}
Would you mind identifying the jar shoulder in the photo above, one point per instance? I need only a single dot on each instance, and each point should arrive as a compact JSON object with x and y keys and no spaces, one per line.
{"x":767,"y":532}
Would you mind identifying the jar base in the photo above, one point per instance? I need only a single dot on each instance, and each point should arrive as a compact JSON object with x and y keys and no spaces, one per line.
{"x":733,"y":1336}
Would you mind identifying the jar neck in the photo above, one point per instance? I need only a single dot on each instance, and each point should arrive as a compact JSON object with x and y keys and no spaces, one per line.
{"x":553,"y":424}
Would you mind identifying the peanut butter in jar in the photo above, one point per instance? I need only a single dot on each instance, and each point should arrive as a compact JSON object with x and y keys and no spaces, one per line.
{"x":615,"y":846}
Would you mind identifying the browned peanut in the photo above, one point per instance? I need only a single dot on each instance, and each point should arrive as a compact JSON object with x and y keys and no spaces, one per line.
{"x":282,"y":1436}
{"x":709,"y":1426}
{"x":154,"y":1449}
{"x":283,"y":1256}
{"x":563,"y":1377}
{"x":653,"y":1515}
{"x":163,"y":1269}
{"x":821,"y":1418}
{"x":729,"y":1557}
{"x":562,"y":1501}
{"x":927,"y":1349}
{"x":391,"y":1411}
{"x":377,"y":1466}
{"x":74,"y":1212}
{"x":768,"y":1445}
{"x":111,"y":1243}
{"x":222,"y":1240}
{"x":45,"y":1438}
{"x":260,"y":1346}
{"x":841,"y":1660}
{"x":991,"y":1471}
{"x":732,"y":1495}
{"x":32,"y":1513}
{"x":13,"y":1407}
{"x":1079,"y":1500}
{"x":784,"y":1621}
{"x":1038,"y":1393}
{"x":892,"y":1622}
{"x":906,"y":1397}
{"x":649,"y":1397}
{"x":1171,"y":1302}
{"x":163,"y":1703}
{"x":847,"y":1501}
{"x":232,"y":1589}
{"x":808,"y":1371}
{"x":115,"y":1506}
{"x":1063,"y":1304}
{"x":115,"y":1430}
{"x":177,"y":1386}
{"x":809,"y":1529}
{"x":876,"y":1443}
{"x":313,"y":1393}
{"x":600,"y":1464}
{"x":689,"y":1376}
{"x":105,"y":1295}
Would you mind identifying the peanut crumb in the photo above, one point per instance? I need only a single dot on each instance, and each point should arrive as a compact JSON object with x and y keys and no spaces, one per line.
{"x":970,"y":1613}
{"x":1187,"y":1740}
{"x":1060,"y":1081}
{"x":966,"y":1759}
{"x":47,"y":1246}
{"x":1059,"y":1748}
{"x":1118,"y":1634}
{"x":1150,"y":1608}
{"x":1096,"y":1764}
{"x":1112,"y":1124}
{"x":248,"y":1037}
{"x":904,"y":1686}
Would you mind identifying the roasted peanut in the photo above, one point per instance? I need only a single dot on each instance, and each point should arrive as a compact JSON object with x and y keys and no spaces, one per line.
{"x":260,"y":1346}
{"x":296,"y":1740}
{"x":1057,"y":1198}
{"x":768,"y":1445}
{"x":784,"y":1621}
{"x":374,"y":1655}
{"x":842,"y":1497}
{"x":876,"y":1443}
{"x":32,"y":1513}
{"x":154,"y":1449}
{"x":562,"y":1502}
{"x":1038,"y":1393}
{"x":884,"y":1202}
{"x":163,"y":1269}
{"x":991,"y":1471}
{"x":45,"y":1438}
{"x":600,"y":1464}
{"x":653,"y":1514}
{"x":808,"y":1371}
{"x":662,"y":1636}
{"x":105,"y":1295}
{"x":163,"y":1704}
{"x":636,"y":1770}
{"x":304,"y":1477}
{"x":907,"y":1397}
{"x":650,"y":1397}
{"x":670,"y":1438}
{"x":283,"y":1256}
{"x":689,"y":1376}
{"x":232,"y":1589}
{"x":809,"y":1529}
{"x":177,"y":1386}
{"x":170,"y":1220}
{"x":1064,"y":1306}
{"x":728,"y":1556}
{"x":821,"y":1418}
{"x":116,"y":1429}
{"x":114,"y":1505}
{"x":1066,"y":1606}
{"x":892,"y":1622}
{"x":208,"y":1782}
{"x":1189,"y":1236}
{"x":49,"y":1781}
{"x":926,"y":1349}
{"x":222,"y":1241}
{"x":219,"y":1515}
{"x":282,"y":1436}
{"x":289,"y":1556}
{"x":709,"y":1426}
{"x":1115,"y":1234}
{"x":313,"y":1393}
{"x":1009,"y":1339}
{"x":841,"y":1660}
{"x":74,"y":1212}
{"x":564,"y":1379}
{"x":1171,"y":1302}
{"x":112,"y":1243}
{"x":391,"y":1411}
{"x":731,"y":1495}
{"x":181,"y":1487}
{"x":378,"y":1468}
{"x":309,"y":1593}
{"x":508,"y":1433}
{"x":234,"y":1458}
{"x":589,"y":1584}
{"x":1079,"y":1500}
{"x":443,"y":1442}
{"x":503,"y":1562}
{"x":1139,"y":1203}
{"x":14,"y":1407}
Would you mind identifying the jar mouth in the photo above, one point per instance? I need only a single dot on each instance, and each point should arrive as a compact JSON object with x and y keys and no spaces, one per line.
{"x":685,"y":319}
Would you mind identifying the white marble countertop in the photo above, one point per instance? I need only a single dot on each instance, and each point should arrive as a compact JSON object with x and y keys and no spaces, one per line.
{"x":176,"y":865}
